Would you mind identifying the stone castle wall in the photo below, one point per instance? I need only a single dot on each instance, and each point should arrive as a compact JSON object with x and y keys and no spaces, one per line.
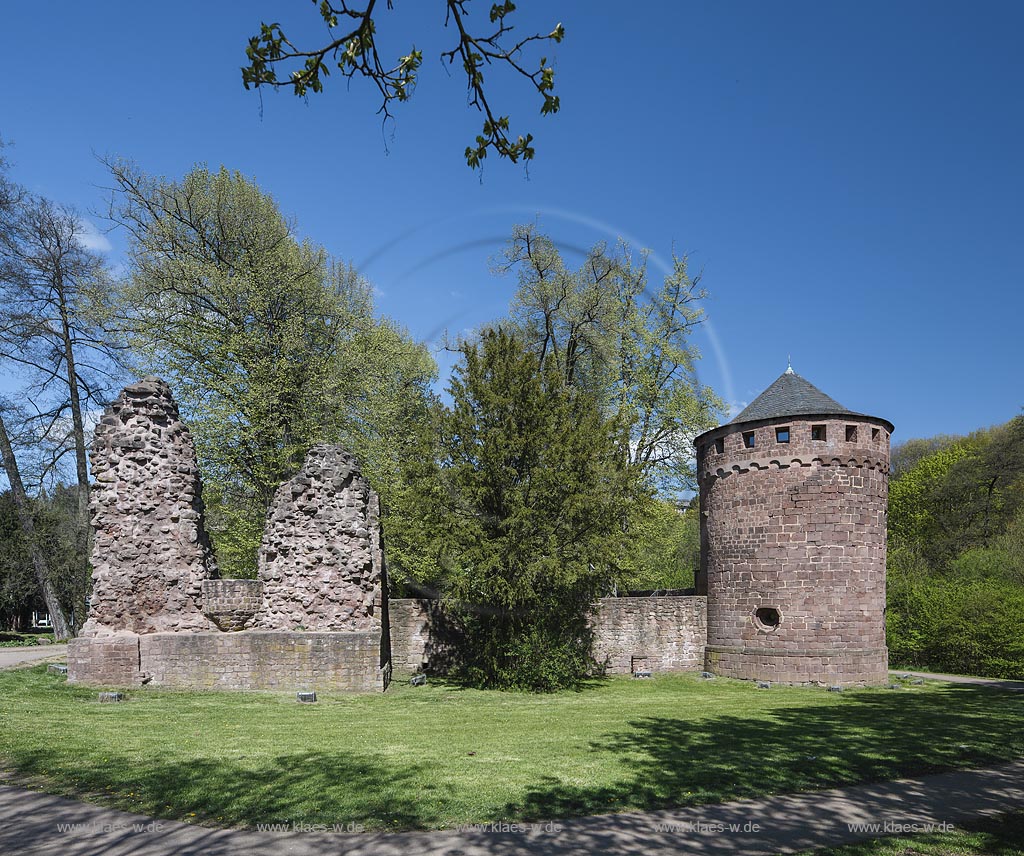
{"x":793,"y":567}
{"x":662,"y":634}
{"x":797,"y":528}
{"x":251,"y":660}
{"x":424,"y":638}
{"x":232,"y":604}
{"x":316,"y":618}
{"x":105,"y":661}
{"x":263,"y":660}
{"x":659,"y":634}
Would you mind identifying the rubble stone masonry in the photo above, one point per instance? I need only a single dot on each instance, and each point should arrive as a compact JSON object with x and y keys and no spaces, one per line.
{"x":319,"y":561}
{"x":150,"y":553}
{"x":663,"y":634}
{"x":316,"y":618}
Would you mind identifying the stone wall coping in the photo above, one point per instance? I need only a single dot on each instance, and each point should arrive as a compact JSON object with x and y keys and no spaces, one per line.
{"x":243,"y":581}
{"x":610,"y":598}
{"x":220,"y":634}
{"x":694,"y":600}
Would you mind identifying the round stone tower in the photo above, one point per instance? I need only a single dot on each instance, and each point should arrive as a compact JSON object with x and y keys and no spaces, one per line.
{"x":793,"y":496}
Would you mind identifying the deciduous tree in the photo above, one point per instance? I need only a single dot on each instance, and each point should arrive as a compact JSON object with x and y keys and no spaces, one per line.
{"x":629,"y":344}
{"x":269,"y":345}
{"x":49,"y":283}
{"x":41,"y":567}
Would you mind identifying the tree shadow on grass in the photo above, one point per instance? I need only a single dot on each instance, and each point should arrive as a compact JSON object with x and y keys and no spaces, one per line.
{"x":349,"y":791}
{"x":867,"y":737}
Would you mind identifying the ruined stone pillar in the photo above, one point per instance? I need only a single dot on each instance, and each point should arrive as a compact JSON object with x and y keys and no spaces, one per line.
{"x":150,"y":552}
{"x":320,"y":560}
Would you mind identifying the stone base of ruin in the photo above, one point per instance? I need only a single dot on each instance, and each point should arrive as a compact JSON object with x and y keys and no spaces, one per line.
{"x":247,"y":660}
{"x":853,"y":667}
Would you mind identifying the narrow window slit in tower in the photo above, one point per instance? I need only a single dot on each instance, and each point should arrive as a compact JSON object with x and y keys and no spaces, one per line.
{"x":720,"y":445}
{"x":817,"y":432}
{"x":748,"y":439}
{"x":851,"y":433}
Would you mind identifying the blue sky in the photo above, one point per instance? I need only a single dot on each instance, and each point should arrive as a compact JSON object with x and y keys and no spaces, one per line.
{"x":849,"y":177}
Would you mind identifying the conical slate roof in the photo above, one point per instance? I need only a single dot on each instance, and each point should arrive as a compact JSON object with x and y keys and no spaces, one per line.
{"x":791,"y":395}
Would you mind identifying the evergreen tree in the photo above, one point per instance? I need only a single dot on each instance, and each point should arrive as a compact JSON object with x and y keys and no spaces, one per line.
{"x":518,"y":505}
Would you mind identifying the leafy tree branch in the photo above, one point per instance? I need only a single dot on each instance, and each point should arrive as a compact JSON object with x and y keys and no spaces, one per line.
{"x":352,"y":50}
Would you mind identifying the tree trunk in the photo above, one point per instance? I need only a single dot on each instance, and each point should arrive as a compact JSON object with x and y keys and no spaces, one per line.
{"x":81,"y":467}
{"x":61,"y":631}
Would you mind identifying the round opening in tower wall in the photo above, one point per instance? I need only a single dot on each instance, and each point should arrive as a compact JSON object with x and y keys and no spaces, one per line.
{"x":767,"y":618}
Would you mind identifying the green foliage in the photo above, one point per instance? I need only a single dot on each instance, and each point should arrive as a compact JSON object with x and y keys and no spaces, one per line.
{"x":57,"y":529}
{"x":235,"y":523}
{"x":18,"y":584}
{"x":56,"y":532}
{"x":956,"y":556}
{"x":663,"y":546}
{"x":961,"y":495}
{"x":381,"y":397}
{"x":518,"y":506}
{"x":908,"y":453}
{"x":268,"y":344}
{"x":983,"y":491}
{"x":615,"y":336}
{"x":25,"y":640}
{"x":913,"y":517}
{"x":946,"y":624}
{"x":624,"y":342}
{"x":353,"y":51}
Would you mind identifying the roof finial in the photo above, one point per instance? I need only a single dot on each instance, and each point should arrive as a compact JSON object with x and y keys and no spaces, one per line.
{"x":789,"y":366}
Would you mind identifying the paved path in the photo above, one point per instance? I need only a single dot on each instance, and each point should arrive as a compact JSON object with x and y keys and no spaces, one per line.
{"x":997,"y":683}
{"x":35,"y":824}
{"x":30,"y":654}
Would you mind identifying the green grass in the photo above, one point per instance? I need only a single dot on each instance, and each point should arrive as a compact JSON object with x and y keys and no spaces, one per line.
{"x":440,"y":755}
{"x":990,"y":836}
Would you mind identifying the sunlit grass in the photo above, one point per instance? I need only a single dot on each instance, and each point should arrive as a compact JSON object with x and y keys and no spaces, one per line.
{"x":440,"y":755}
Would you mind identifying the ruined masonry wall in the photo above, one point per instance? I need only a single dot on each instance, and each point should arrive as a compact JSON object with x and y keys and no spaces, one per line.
{"x":232,"y":604}
{"x":252,"y":660}
{"x":256,"y":660}
{"x":423,"y":636}
{"x":320,"y":562}
{"x":150,"y":553}
{"x":660,"y":634}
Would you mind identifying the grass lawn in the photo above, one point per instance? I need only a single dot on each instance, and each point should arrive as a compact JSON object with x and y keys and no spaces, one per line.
{"x":438,"y":755}
{"x":991,"y":836}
